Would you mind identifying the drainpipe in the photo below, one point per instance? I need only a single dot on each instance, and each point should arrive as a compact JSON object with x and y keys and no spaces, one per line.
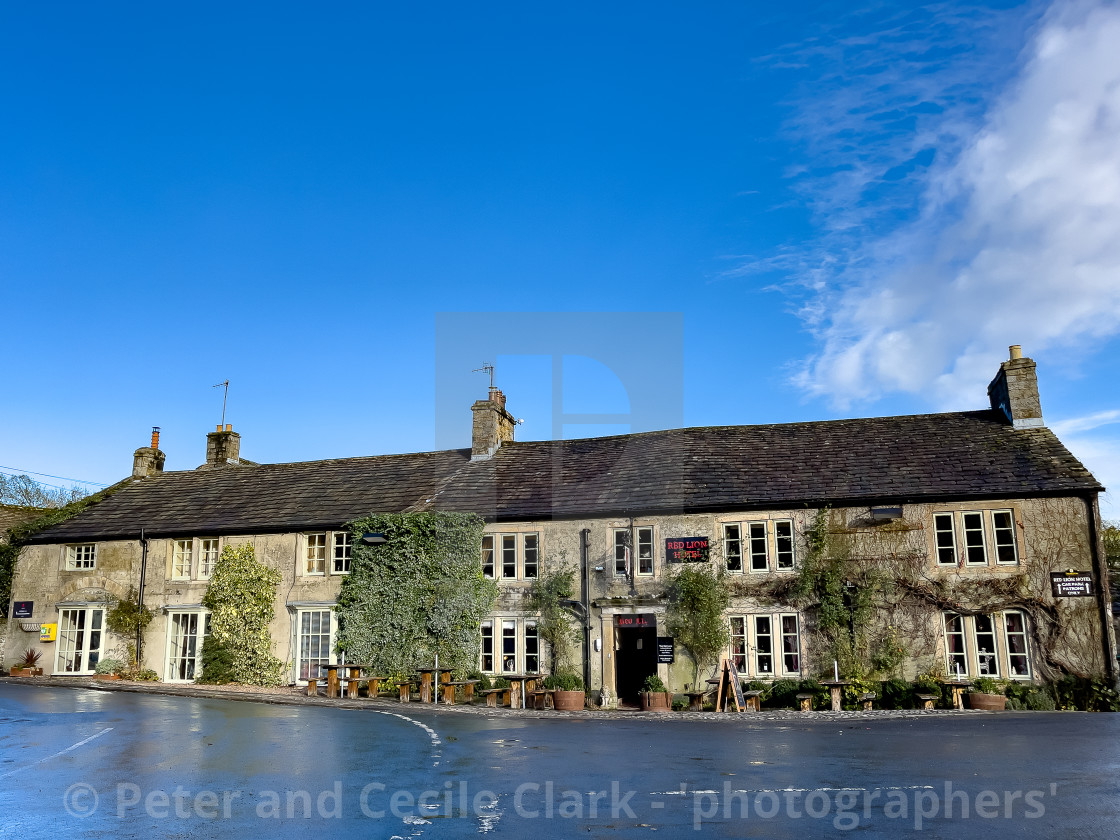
{"x":140,"y":597}
{"x":585,"y":600}
{"x":1104,"y":594}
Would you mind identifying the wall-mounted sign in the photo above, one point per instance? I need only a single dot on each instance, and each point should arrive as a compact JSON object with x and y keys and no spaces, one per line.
{"x":1071,"y":584}
{"x":23,"y":609}
{"x":635,"y":621}
{"x":47,"y":632}
{"x":665,"y":650}
{"x":686,"y":549}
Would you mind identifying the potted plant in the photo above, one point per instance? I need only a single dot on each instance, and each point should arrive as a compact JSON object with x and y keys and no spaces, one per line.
{"x":28,"y":666}
{"x":567,"y":691}
{"x":985,"y":694}
{"x":109,"y":669}
{"x":655,"y":696}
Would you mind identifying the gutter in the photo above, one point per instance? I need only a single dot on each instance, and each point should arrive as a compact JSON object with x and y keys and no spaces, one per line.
{"x":1104,"y":596}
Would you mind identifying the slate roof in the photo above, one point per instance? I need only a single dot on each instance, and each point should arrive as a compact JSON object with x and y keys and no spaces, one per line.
{"x":967,"y":455}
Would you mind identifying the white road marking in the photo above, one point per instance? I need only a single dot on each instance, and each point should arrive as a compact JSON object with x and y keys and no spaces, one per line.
{"x":57,"y":754}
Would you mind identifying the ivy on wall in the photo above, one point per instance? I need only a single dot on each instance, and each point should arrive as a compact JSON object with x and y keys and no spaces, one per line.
{"x":420,"y":594}
{"x":241,"y":598}
{"x":698,"y":599}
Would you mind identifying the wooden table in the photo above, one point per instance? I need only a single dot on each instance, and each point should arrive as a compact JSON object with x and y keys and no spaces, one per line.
{"x":835,"y":688}
{"x":332,"y":679}
{"x":957,"y":688}
{"x":449,"y":687}
{"x":696,"y":700}
{"x":354,"y":677}
{"x":427,"y":677}
{"x":754,"y":700}
{"x":517,"y":688}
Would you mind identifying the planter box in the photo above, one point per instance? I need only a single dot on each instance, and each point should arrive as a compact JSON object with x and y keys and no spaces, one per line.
{"x":106,"y":676}
{"x":987,"y":702}
{"x":568,"y":701}
{"x":656,"y":701}
{"x":25,"y":672}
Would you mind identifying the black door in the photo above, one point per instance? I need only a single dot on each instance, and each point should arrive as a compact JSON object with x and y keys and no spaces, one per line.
{"x":635,"y":659}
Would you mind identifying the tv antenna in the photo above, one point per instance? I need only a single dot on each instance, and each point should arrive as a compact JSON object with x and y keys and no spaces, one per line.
{"x":224,"y":398}
{"x":486,"y":368}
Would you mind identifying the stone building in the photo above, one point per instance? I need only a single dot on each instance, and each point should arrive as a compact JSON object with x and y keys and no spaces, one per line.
{"x":955,"y":520}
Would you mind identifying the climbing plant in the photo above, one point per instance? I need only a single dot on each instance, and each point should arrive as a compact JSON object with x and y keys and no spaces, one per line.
{"x":555,"y":583}
{"x":418,"y":595}
{"x":698,"y":598}
{"x":128,"y":618}
{"x":241,"y":598}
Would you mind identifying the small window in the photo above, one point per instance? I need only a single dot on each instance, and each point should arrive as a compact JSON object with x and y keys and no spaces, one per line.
{"x":487,"y":662}
{"x":343,"y":542}
{"x":756,"y":536}
{"x":791,"y":645}
{"x":975,"y":551}
{"x":509,"y":647}
{"x":739,"y":642}
{"x":1003,"y":527}
{"x":181,"y":553}
{"x":987,"y":660}
{"x":509,"y":555}
{"x":622,"y":552}
{"x":1018,"y":662}
{"x":956,"y":656}
{"x":733,"y":548}
{"x":645,"y":551}
{"x":488,"y":561}
{"x":81,"y":557}
{"x":763,"y":646}
{"x":532,"y":648}
{"x":316,"y":554}
{"x":946,"y":537}
{"x":530,"y":553}
{"x":783,"y":539}
{"x":207,"y":557}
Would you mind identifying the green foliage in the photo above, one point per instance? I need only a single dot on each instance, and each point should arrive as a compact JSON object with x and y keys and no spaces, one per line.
{"x":419,"y":595}
{"x":110,"y":666}
{"x":1029,"y":697}
{"x":654,"y":683}
{"x":30,"y":658}
{"x":695,"y":615}
{"x":1086,"y":694}
{"x":241,"y":598}
{"x":502,"y":682}
{"x":128,"y":618}
{"x":896,"y":694}
{"x":217,"y":663}
{"x":554,"y":625}
{"x":986,"y":685}
{"x":782,"y":694}
{"x":565,"y":681}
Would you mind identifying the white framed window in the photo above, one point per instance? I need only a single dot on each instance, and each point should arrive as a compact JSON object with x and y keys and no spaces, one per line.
{"x":80,"y":557}
{"x":314,"y":642}
{"x":1018,"y":659}
{"x":1003,"y":531}
{"x":209,"y":549}
{"x":486,"y":660}
{"x":532,"y":648}
{"x":987,"y":656}
{"x":783,"y":544}
{"x":509,"y":645}
{"x":766,"y":645}
{"x":733,"y":548}
{"x":530,"y":555}
{"x":182,"y":553}
{"x":622,"y":552}
{"x":956,"y":654}
{"x":316,"y":555}
{"x":342,"y":543}
{"x":488,"y":557}
{"x":645,"y":550}
{"x":992,"y":645}
{"x":186,"y":631}
{"x":509,"y":556}
{"x":975,"y":546}
{"x":81,"y":636}
{"x":757,"y":547}
{"x":945,"y":537}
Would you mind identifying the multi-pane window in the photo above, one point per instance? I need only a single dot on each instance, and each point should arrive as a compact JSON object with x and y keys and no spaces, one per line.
{"x":733,"y":547}
{"x":975,"y":552}
{"x":343,"y":542}
{"x":316,"y":555}
{"x":763,"y":646}
{"x":531,"y":555}
{"x":622,"y":552}
{"x":945,"y":535}
{"x":81,"y":557}
{"x":487,"y":661}
{"x":783,"y":543}
{"x":791,"y":644}
{"x":1003,"y":529}
{"x":509,"y":646}
{"x":987,"y":645}
{"x":739,"y":642}
{"x":509,"y":555}
{"x":532,"y":648}
{"x":488,"y":559}
{"x":645,"y":551}
{"x":80,"y":636}
{"x":182,"y":553}
{"x":314,"y":642}
{"x":756,"y":546}
{"x":186,"y":632}
{"x":768,"y":645}
{"x":207,"y":557}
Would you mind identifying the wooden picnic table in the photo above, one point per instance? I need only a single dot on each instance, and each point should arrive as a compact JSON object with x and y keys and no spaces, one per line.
{"x":957,"y":687}
{"x":354,"y":677}
{"x":835,"y":688}
{"x":449,"y":690}
{"x":696,"y":700}
{"x":428,"y":676}
{"x":519,"y":685}
{"x":332,"y":679}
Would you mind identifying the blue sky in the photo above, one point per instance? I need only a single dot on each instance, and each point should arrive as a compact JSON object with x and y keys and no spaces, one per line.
{"x":851,"y":210}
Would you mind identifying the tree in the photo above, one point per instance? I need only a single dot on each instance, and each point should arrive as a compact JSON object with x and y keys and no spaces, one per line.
{"x":695,"y":617}
{"x":23,"y":491}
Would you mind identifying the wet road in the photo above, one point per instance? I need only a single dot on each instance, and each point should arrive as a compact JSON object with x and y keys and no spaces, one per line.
{"x":83,"y":763}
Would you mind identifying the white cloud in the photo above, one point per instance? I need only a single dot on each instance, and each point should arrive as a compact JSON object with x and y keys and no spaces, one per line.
{"x":1102,"y":456}
{"x":1015,"y":239}
{"x":1073,"y":425}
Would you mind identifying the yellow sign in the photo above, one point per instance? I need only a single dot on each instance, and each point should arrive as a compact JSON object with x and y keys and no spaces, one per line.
{"x":47,"y":632}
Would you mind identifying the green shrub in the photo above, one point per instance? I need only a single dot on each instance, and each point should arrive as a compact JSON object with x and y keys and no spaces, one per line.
{"x":986,"y":685}
{"x":563,"y":682}
{"x":896,"y":694}
{"x":652,"y":683}
{"x":502,"y":682}
{"x":680,"y":703}
{"x":1086,"y":694}
{"x":109,"y":666}
{"x":217,"y":663}
{"x":1029,"y":697}
{"x":484,"y":683}
{"x":782,"y":694}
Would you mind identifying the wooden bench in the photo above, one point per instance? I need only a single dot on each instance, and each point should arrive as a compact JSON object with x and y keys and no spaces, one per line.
{"x":374,"y":686}
{"x":541,"y":699}
{"x":754,"y":700}
{"x":405,"y":689}
{"x":868,"y":700}
{"x":497,"y":696}
{"x":352,"y":686}
{"x":805,"y":702}
{"x":927,"y":700}
{"x":312,"y":688}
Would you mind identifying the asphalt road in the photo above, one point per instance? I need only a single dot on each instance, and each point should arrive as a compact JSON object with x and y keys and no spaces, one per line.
{"x":84,"y":763}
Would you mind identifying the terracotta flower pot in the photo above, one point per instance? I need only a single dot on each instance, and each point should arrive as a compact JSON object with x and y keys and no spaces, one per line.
{"x":568,"y":701}
{"x":986,"y":702}
{"x":656,"y":701}
{"x":106,"y":676}
{"x":25,"y":672}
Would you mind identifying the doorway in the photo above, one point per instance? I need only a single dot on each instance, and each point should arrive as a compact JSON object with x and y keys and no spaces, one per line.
{"x":80,"y":634}
{"x":635,"y":655}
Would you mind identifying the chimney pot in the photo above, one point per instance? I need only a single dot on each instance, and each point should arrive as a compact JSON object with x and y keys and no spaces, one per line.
{"x":218,"y":428}
{"x":148,"y":460}
{"x":1016,"y":352}
{"x":229,"y":427}
{"x":155,"y":437}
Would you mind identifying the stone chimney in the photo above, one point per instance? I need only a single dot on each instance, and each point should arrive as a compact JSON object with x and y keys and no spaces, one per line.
{"x":1014,"y":391}
{"x":148,"y":460}
{"x":223,"y":448}
{"x":493,"y":425}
